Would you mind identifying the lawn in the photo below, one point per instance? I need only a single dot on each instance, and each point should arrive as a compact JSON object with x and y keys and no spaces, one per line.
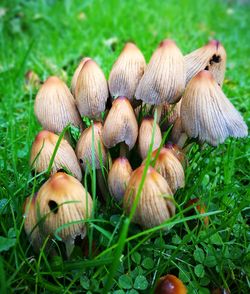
{"x":50,"y":38}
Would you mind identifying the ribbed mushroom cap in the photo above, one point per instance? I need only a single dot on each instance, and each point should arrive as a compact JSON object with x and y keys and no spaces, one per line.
{"x":127,"y":72}
{"x":84,"y":147}
{"x":118,"y":177}
{"x":91,"y":91}
{"x":76,"y":74}
{"x":42,"y":151}
{"x":63,"y":200}
{"x":177,"y":131}
{"x":164,"y":78}
{"x":156,"y":203}
{"x":211,"y":57}
{"x":120,"y":124}
{"x":146,"y":134}
{"x":207,"y":114}
{"x":178,"y":152}
{"x":170,"y":284}
{"x":170,"y":168}
{"x":55,"y":106}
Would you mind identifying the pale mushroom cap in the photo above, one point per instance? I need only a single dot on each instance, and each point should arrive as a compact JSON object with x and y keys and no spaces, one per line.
{"x":165,"y":76}
{"x":42,"y":150}
{"x":127,"y":72}
{"x":211,"y":57}
{"x":146,"y":134}
{"x":63,"y":200}
{"x":207,"y":114}
{"x":55,"y":106}
{"x":156,"y":203}
{"x":76,"y":74}
{"x":84,"y":147}
{"x":120,"y":124}
{"x":118,"y":177}
{"x":170,"y":168}
{"x":91,"y":91}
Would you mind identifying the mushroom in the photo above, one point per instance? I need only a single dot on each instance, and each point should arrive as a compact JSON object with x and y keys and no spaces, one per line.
{"x":210,"y":57}
{"x":169,"y":114}
{"x":120,"y":124}
{"x":55,"y":106}
{"x":145,"y":136}
{"x":170,"y":284}
{"x":76,"y":74}
{"x":207,"y":114}
{"x":155,"y":204}
{"x":178,"y":152}
{"x":178,"y":135}
{"x":118,"y":177}
{"x":42,"y":150}
{"x":127,"y":72}
{"x":62,"y":207}
{"x":170,"y":168}
{"x":91,"y":90}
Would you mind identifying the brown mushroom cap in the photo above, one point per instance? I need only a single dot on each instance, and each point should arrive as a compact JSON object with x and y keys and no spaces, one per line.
{"x":76,"y":74}
{"x":91,"y":91}
{"x":127,"y":72}
{"x":55,"y":106}
{"x":120,"y":124}
{"x":207,"y":114}
{"x":170,"y":284}
{"x":164,"y":78}
{"x":42,"y":150}
{"x":156,"y":200}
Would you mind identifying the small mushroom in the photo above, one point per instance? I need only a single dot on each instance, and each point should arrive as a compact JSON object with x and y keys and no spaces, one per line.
{"x":164,"y":78}
{"x":178,"y":135}
{"x":127,"y":72}
{"x":210,"y":57}
{"x":118,"y":177}
{"x":120,"y":124}
{"x":42,"y":150}
{"x":178,"y":152}
{"x":207,"y":114}
{"x":76,"y":74}
{"x":170,"y":284}
{"x":55,"y":106}
{"x":170,"y":168}
{"x":155,"y":204}
{"x":91,"y":90}
{"x":145,"y":136}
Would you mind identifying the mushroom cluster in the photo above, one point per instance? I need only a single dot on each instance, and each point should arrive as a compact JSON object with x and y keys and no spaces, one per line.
{"x":127,"y":116}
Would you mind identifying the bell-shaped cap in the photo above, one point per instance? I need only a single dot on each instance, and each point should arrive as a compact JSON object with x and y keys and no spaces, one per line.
{"x":76,"y":74}
{"x":120,"y":124}
{"x":84,"y":147}
{"x":210,"y":57}
{"x":170,"y":284}
{"x":146,"y":134}
{"x":164,"y":78}
{"x":156,"y":203}
{"x":207,"y":114}
{"x":55,"y":106}
{"x":127,"y":72}
{"x":178,"y":152}
{"x":91,"y":91}
{"x":64,"y":205}
{"x":42,"y":150}
{"x":170,"y":168}
{"x":118,"y":177}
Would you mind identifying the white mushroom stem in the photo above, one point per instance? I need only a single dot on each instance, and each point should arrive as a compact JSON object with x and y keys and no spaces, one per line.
{"x":158,"y":110}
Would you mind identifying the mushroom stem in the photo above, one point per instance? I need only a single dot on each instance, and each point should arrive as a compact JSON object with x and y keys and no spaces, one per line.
{"x":158,"y":110}
{"x":182,"y":140}
{"x":123,"y":149}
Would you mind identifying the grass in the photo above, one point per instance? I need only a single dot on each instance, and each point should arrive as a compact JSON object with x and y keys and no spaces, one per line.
{"x":50,"y":37}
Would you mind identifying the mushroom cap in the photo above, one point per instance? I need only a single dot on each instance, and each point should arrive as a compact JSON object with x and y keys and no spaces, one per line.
{"x":156,"y":200}
{"x":60,"y":201}
{"x":118,"y":177}
{"x":211,"y":57}
{"x":165,"y":76}
{"x":170,"y":284}
{"x":126,"y":72}
{"x":170,"y":168}
{"x":42,"y":150}
{"x":76,"y":74}
{"x":84,"y":147}
{"x":91,"y":90}
{"x":145,"y":136}
{"x":207,"y":114}
{"x":55,"y":106}
{"x":120,"y":124}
